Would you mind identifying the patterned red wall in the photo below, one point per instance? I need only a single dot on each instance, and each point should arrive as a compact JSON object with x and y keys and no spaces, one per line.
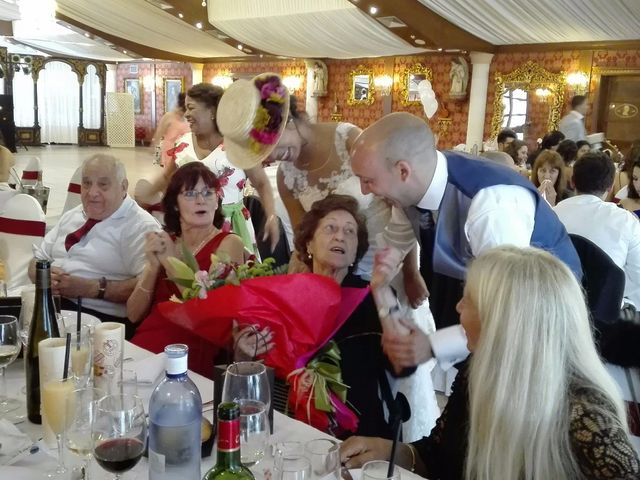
{"x":146,"y":71}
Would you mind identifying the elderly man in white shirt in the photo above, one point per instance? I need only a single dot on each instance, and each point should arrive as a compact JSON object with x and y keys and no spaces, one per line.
{"x":98,"y":247}
{"x":459,"y":206}
{"x":572,"y":124}
{"x":615,"y":230}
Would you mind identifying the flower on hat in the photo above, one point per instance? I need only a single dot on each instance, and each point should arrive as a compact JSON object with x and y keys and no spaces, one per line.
{"x":268,"y":119}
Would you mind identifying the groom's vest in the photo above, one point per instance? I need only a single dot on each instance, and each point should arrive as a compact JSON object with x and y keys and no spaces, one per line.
{"x":466,"y":177}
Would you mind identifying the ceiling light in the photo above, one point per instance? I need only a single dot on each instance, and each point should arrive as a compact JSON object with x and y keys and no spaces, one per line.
{"x":87,"y":35}
{"x":373,"y":10}
{"x":440,"y":49}
{"x":124,"y":51}
{"x":204,"y":3}
{"x":419,"y":41}
{"x":240,"y":47}
{"x":199,"y":25}
{"x":181,"y":15}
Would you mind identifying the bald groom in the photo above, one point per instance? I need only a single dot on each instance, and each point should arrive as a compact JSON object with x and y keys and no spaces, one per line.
{"x":459,"y":205}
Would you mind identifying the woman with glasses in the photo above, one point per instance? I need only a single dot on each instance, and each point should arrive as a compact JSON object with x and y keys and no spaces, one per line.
{"x":193,"y":219}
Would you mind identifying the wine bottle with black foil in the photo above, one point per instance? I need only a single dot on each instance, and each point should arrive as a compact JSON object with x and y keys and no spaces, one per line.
{"x":43,"y":325}
{"x":228,"y":465}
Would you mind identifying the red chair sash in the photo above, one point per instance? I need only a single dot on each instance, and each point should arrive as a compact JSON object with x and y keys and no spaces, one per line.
{"x":74,"y":188}
{"x":30,"y":175}
{"x":30,"y":228}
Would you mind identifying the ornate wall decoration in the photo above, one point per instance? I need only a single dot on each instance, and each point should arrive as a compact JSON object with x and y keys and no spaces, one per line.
{"x":361,"y":86}
{"x":409,"y":80}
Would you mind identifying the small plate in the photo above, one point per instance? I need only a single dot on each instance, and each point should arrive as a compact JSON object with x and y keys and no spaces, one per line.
{"x":69,"y":318}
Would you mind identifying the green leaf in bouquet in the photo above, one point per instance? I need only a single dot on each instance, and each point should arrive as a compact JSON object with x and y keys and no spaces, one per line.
{"x":182,"y":282}
{"x":181,"y":270}
{"x":340,"y":389}
{"x":321,"y":395}
{"x":189,"y":259}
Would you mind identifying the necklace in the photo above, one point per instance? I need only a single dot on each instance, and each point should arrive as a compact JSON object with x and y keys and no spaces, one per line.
{"x":201,"y":244}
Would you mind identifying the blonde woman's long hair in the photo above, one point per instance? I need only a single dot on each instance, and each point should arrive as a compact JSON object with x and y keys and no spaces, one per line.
{"x":535,"y":348}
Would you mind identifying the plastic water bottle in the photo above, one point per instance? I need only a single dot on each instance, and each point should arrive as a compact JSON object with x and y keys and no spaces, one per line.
{"x":175,"y":416}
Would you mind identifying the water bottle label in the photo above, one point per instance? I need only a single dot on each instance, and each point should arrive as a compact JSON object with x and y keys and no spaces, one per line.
{"x":228,"y":435}
{"x":156,"y":462}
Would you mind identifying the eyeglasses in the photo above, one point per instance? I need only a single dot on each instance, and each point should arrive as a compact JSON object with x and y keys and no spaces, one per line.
{"x":206,"y":194}
{"x":331,"y":229}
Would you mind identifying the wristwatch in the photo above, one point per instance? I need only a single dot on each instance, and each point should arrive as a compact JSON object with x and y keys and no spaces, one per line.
{"x":102,"y":288}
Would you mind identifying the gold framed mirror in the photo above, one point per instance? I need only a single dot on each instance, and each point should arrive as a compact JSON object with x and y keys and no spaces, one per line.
{"x":361,"y":86}
{"x":409,"y":81}
{"x":516,"y":92}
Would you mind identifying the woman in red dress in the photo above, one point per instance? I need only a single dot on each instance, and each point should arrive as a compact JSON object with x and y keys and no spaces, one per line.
{"x":193,"y":217}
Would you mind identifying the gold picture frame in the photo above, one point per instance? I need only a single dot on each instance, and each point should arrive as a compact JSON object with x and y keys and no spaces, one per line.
{"x":361,"y":86}
{"x":134,"y":87}
{"x":172,"y":87}
{"x":409,"y":81}
{"x":529,"y":76}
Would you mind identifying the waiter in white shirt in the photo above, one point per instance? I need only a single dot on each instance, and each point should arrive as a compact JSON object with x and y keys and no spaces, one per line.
{"x":98,"y":247}
{"x":471,"y":205}
{"x":572,"y":124}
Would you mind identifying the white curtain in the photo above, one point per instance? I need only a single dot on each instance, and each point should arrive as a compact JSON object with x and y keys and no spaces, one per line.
{"x":91,"y":99}
{"x":23,"y":99}
{"x":58,"y":104}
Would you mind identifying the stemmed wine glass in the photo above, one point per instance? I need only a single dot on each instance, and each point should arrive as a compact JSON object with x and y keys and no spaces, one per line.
{"x":119,"y":433}
{"x":9,"y":350}
{"x":79,"y":412}
{"x":55,"y":394}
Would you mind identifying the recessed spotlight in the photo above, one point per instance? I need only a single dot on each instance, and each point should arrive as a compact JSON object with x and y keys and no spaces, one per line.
{"x":199,"y":25}
{"x":124,"y":51}
{"x":419,"y":41}
{"x":87,"y":35}
{"x":181,"y":15}
{"x":261,"y":55}
{"x":440,"y":49}
{"x":413,"y":37}
{"x":240,"y":47}
{"x":204,"y":3}
{"x":373,"y":9}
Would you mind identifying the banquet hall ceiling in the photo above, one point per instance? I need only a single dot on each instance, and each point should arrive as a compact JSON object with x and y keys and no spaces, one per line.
{"x":208,"y":30}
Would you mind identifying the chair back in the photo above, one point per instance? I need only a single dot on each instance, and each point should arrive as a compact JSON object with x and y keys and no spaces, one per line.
{"x":73,"y":191}
{"x":151,"y":202}
{"x":32,"y":171}
{"x":21,"y":224}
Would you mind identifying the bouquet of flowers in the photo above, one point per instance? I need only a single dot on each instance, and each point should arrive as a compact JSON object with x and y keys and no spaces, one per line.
{"x":303,"y":311}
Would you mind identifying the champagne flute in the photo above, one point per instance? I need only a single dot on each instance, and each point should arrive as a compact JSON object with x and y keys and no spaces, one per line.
{"x":246,"y":381}
{"x":81,"y":359}
{"x":119,"y":433}
{"x":80,"y":410}
{"x":9,"y":350}
{"x":56,"y":394}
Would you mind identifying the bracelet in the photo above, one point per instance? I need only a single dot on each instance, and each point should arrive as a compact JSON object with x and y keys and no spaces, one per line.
{"x":102,"y":288}
{"x":413,"y":456}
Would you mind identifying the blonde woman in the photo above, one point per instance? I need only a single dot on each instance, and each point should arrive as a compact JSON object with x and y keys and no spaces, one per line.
{"x":534,"y":400}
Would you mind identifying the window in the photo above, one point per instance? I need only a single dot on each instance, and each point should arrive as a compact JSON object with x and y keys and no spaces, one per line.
{"x":515,"y":110}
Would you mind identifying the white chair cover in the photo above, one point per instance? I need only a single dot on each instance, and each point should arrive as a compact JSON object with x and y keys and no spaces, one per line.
{"x":73,"y":191}
{"x":32,"y":171}
{"x":21,"y":224}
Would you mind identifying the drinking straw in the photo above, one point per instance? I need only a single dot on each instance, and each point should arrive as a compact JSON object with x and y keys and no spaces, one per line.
{"x":66,"y":356}
{"x":78,"y":323}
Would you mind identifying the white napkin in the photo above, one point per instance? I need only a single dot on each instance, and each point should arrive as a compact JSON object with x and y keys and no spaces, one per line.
{"x":12,"y":441}
{"x":148,"y":369}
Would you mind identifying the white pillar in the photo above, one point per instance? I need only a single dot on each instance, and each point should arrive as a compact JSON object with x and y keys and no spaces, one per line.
{"x":478,"y":98}
{"x":196,"y":73}
{"x":110,"y":83}
{"x":311,"y":102}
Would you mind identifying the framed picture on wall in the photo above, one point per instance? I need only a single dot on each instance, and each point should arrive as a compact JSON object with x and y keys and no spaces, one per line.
{"x":133,"y":86}
{"x":172,"y":88}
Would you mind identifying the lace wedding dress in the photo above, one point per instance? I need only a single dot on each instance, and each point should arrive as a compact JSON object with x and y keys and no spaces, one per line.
{"x":418,"y":388}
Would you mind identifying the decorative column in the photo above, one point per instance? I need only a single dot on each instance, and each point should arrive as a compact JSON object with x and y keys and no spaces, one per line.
{"x":478,"y":99}
{"x":196,"y":73}
{"x":311,"y":101}
{"x":111,"y":78}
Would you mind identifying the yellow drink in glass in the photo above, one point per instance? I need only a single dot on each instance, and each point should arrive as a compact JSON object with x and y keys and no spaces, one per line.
{"x":54,"y":397}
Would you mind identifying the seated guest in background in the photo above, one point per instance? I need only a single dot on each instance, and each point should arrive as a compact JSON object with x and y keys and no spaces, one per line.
{"x":505,"y":137}
{"x":501,"y":158}
{"x":331,"y":238}
{"x":624,"y":172}
{"x":632,"y":200}
{"x":550,"y":176}
{"x":7,"y":161}
{"x":478,"y":205}
{"x":615,"y":230}
{"x":98,"y":246}
{"x":193,"y":216}
{"x":549,"y":142}
{"x":519,"y":151}
{"x":583,"y":147}
{"x":568,"y":150}
{"x":572,"y":124}
{"x":172,"y":126}
{"x":533,"y":401}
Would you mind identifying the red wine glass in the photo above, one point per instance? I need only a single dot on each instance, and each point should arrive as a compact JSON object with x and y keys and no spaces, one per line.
{"x":119,"y":433}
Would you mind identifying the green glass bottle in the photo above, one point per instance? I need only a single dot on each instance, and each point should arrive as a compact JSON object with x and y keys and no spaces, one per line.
{"x":228,"y":465}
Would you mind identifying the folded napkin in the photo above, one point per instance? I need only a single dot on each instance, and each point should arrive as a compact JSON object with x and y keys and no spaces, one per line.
{"x":148,"y":369}
{"x":12,"y":441}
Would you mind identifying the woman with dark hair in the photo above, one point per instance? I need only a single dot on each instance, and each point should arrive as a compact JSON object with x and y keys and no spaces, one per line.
{"x":549,"y":142}
{"x":519,"y":151}
{"x":549,"y":175}
{"x":620,"y":182}
{"x":204,"y":143}
{"x":568,"y":150}
{"x":632,"y":202}
{"x":193,"y":218}
{"x":583,"y":147}
{"x":330,"y":239}
{"x":172,"y":126}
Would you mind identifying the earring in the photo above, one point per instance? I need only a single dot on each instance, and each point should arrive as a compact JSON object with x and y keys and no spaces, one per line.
{"x":351,"y":265}
{"x":309,"y":256}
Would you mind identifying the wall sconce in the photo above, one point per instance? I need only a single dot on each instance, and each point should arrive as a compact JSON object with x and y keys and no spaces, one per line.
{"x":579,"y":82}
{"x":148,"y":83}
{"x":293,"y":83}
{"x":223,"y":80}
{"x":383,"y":84}
{"x":543,"y":94}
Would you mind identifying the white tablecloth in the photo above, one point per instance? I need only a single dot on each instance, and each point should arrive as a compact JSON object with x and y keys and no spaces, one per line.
{"x":31,"y":467}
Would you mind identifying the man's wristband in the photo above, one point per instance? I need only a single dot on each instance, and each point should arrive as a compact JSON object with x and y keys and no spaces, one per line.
{"x":102,"y":288}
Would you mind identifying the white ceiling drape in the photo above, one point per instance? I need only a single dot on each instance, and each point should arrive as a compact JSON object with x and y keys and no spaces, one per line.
{"x":310,"y":28}
{"x":505,"y":22}
{"x":141,"y":22}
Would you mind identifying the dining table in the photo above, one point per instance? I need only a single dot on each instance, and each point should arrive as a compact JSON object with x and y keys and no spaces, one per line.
{"x":37,"y":458}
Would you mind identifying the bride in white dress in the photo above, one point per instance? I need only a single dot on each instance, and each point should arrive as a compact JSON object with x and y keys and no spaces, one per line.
{"x":314,"y":162}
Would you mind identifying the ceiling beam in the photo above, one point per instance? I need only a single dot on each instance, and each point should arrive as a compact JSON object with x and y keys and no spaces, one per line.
{"x":552,"y":47}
